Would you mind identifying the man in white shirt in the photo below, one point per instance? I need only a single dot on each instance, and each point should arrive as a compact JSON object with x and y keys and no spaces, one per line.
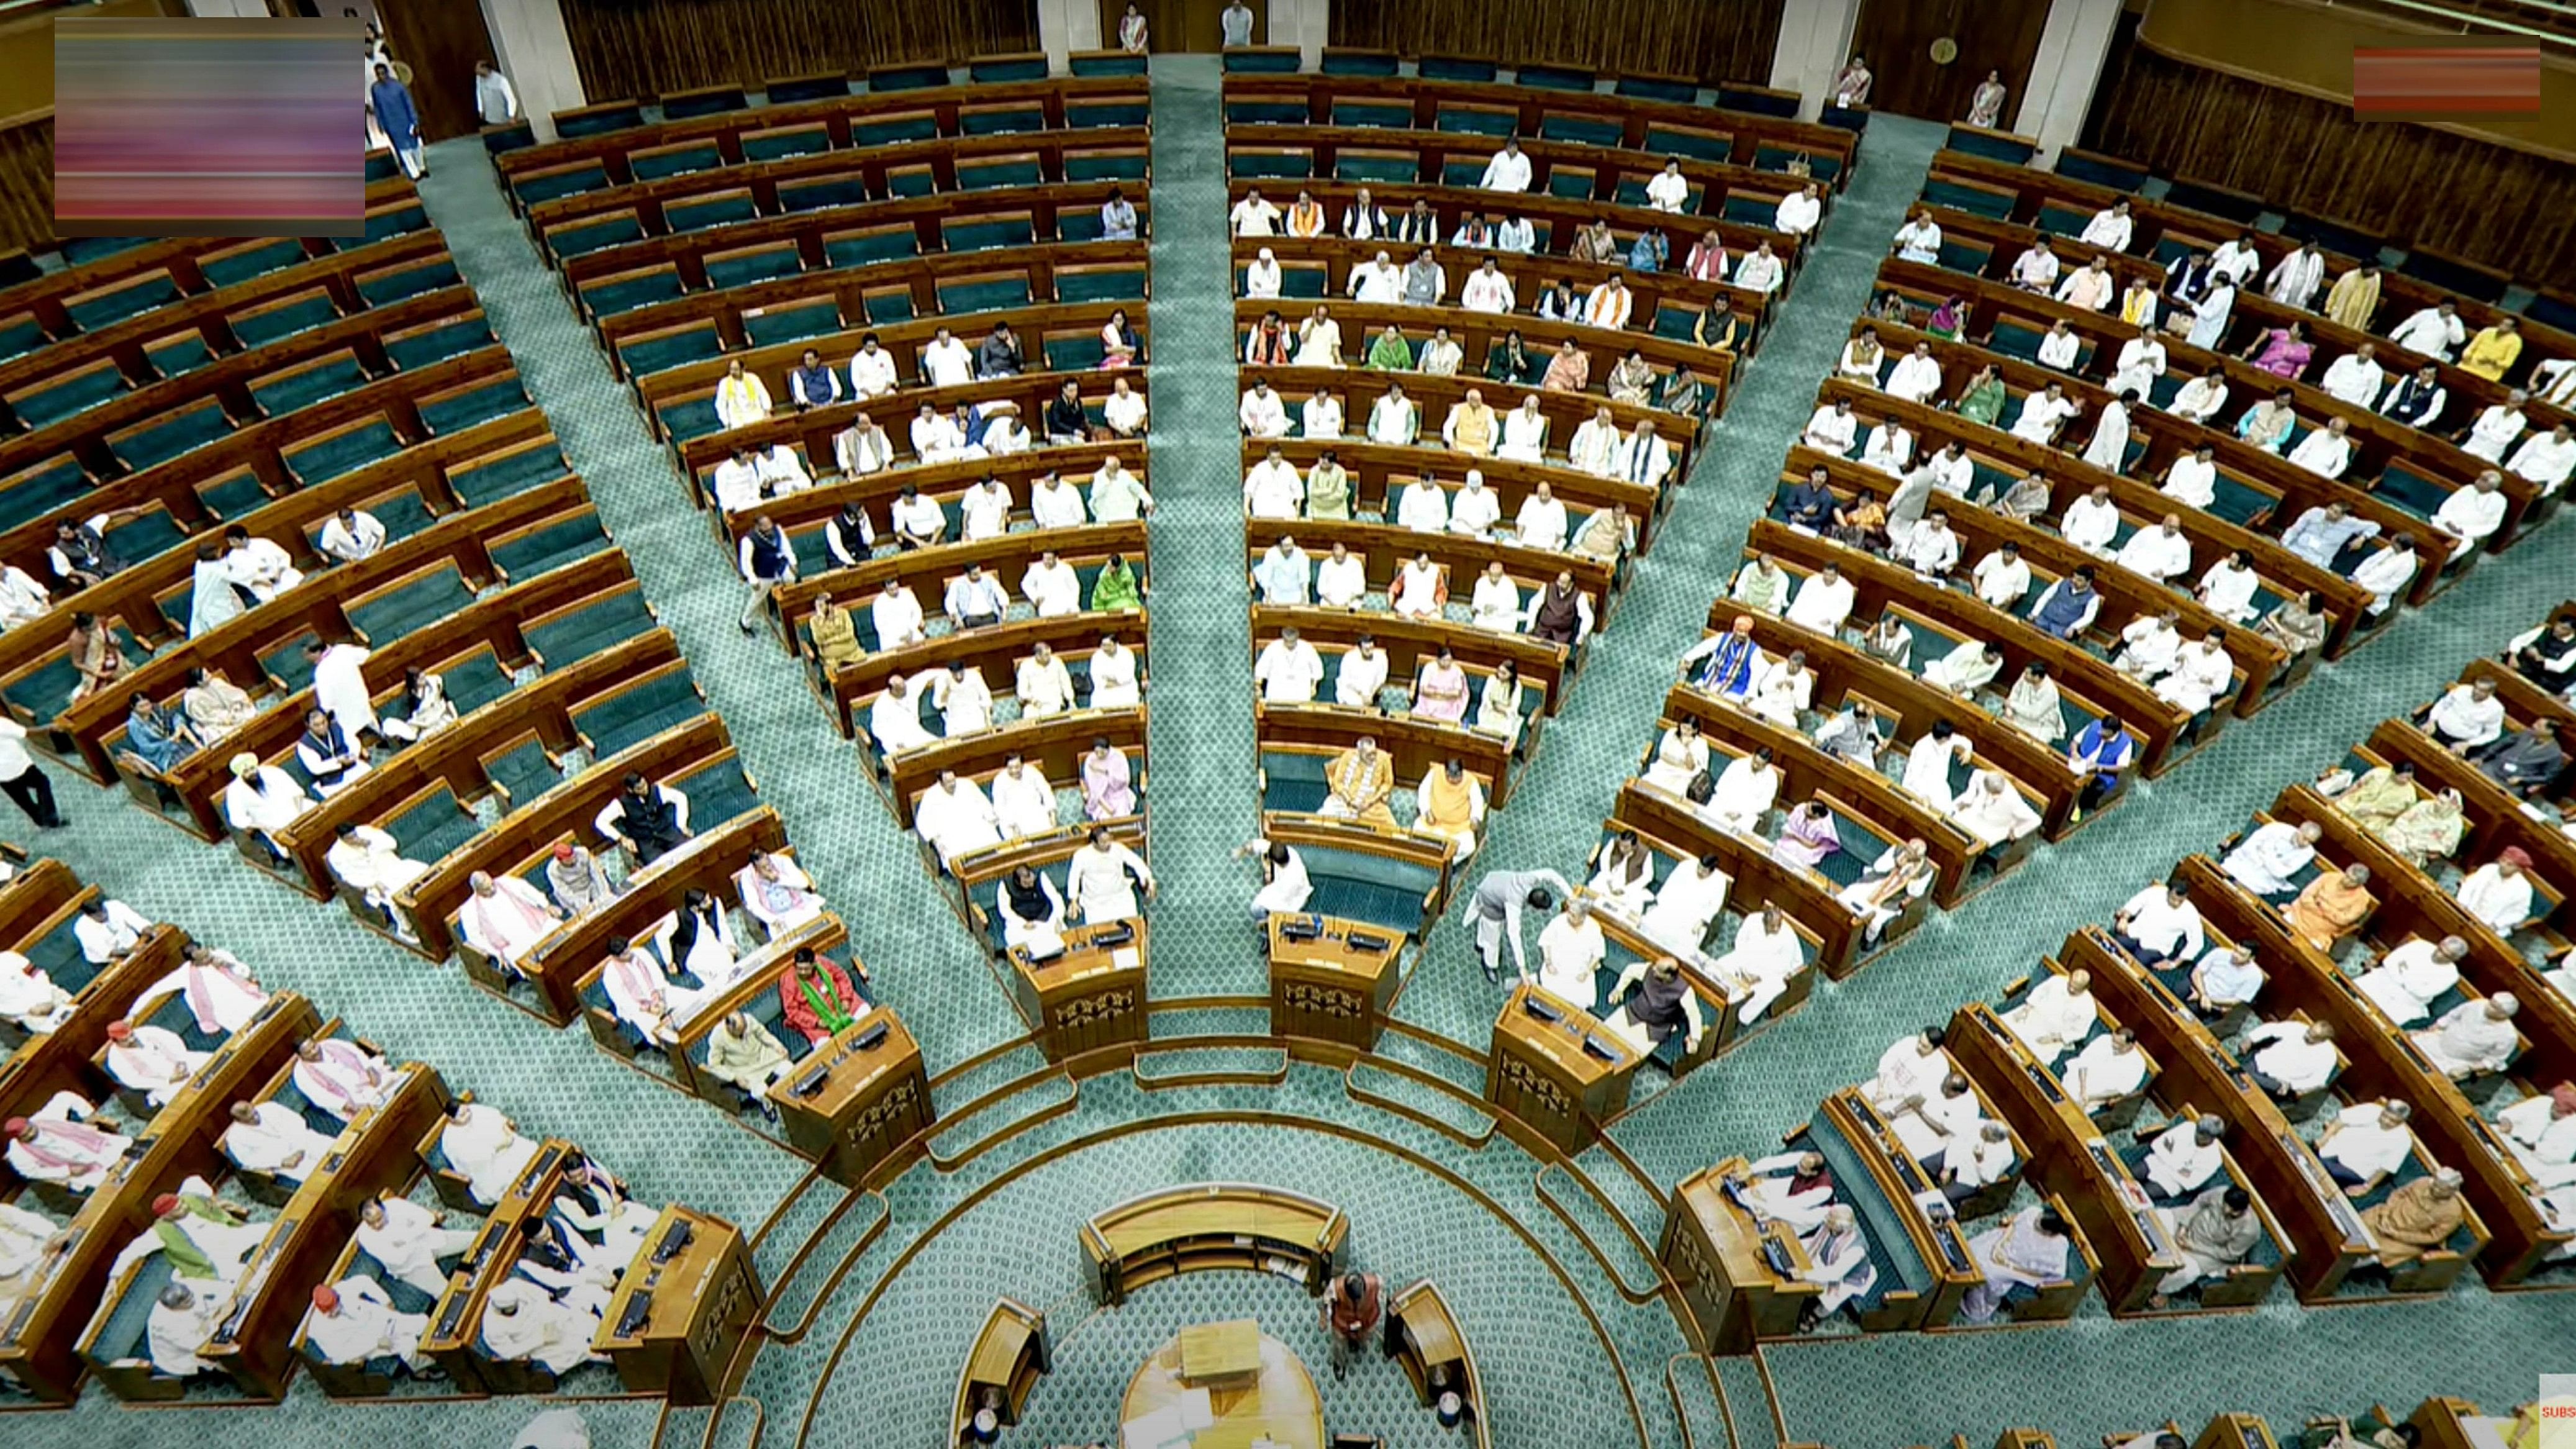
{"x":1509,"y":170}
{"x":2161,"y":553}
{"x":2434,"y":331}
{"x":1916,"y":376}
{"x":872,"y":373}
{"x":2184,"y":1156}
{"x":1362,"y":673}
{"x":947,"y":362}
{"x":975,"y":599}
{"x":2108,"y":1069}
{"x":1288,"y":670}
{"x":1254,"y":215}
{"x":108,"y":930}
{"x":2227,"y":589}
{"x":2546,"y":458}
{"x":2058,"y":1012}
{"x":1931,"y":550}
{"x":2001,"y":578}
{"x":2367,"y":1142}
{"x":2467,"y":716}
{"x":1263,"y":413}
{"x":351,"y":535}
{"x":2472,"y":1038}
{"x":2193,"y":478}
{"x":2387,"y":571}
{"x":1832,"y":429}
{"x":273,"y":1139}
{"x":984,"y":510}
{"x":2473,"y":514}
{"x":1272,"y":488}
{"x":1488,"y":291}
{"x":2091,"y":522}
{"x":2326,"y":451}
{"x":2202,"y":398}
{"x":1043,"y":684}
{"x":1824,"y":602}
{"x":2043,"y":413}
{"x":2290,"y":1058}
{"x":1497,"y":605}
{"x":1341,"y":580}
{"x":2110,"y":228}
{"x":1052,"y":587}
{"x":2159,"y":924}
{"x":2409,"y":979}
{"x":2356,"y":377}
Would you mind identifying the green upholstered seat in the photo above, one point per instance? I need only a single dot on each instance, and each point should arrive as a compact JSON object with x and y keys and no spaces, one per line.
{"x":654,"y":165}
{"x":1698,"y":147}
{"x":1271,"y":165}
{"x":575,"y":238}
{"x":1971,"y":199}
{"x":1106,"y":63}
{"x":429,"y":276}
{"x":1369,"y":888}
{"x":990,"y":294}
{"x":1899,"y":1265}
{"x":1468,"y":171}
{"x":688,"y":419}
{"x":524,"y":771}
{"x":1266,"y":113}
{"x":608,"y":296}
{"x":998,"y":70}
{"x":1359,"y":62}
{"x":708,"y":102}
{"x":39,"y":491}
{"x":254,"y":261}
{"x":507,"y":476}
{"x":1259,"y":62}
{"x":1125,"y":284}
{"x":998,"y":175}
{"x":114,"y":305}
{"x":1385,"y":115}
{"x":1466,"y":121}
{"x":2400,"y":483}
{"x":237,"y":496}
{"x":1582,"y":130}
{"x":759,"y":264}
{"x":124,"y":1323}
{"x":79,"y":249}
{"x":1961,"y":255}
{"x":1554,"y":78}
{"x":1080,"y":353}
{"x":459,"y":411}
{"x":784,"y":142}
{"x":551,"y":547}
{"x":986,"y":234}
{"x":70,"y":396}
{"x":21,"y":337}
{"x":285,"y":662}
{"x":1375,"y":170}
{"x":279,"y":323}
{"x":714,"y":211}
{"x":860,"y":249}
{"x":822,"y":192}
{"x":1457,"y":68}
{"x":1292,"y":781}
{"x":893,"y":130}
{"x":2057,"y":218}
{"x":403,"y":514}
{"x":1092,"y":115}
{"x":437,"y":344}
{"x":1748,"y":211}
{"x":433,"y":829}
{"x":1105,"y":166}
{"x":304,"y":386}
{"x":413,"y":606}
{"x":398,"y":221}
{"x":907,"y":77}
{"x":634,"y":715}
{"x":2010,"y":149}
{"x":890,"y":306}
{"x":475,"y":681}
{"x":717,"y":794}
{"x":644,"y":356}
{"x":599,"y":120}
{"x":328,"y":458}
{"x":586,"y":631}
{"x":792,"y":323}
{"x":1002,"y":122}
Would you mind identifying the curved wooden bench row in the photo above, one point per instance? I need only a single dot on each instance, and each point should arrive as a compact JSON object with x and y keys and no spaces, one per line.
{"x":1414,"y":747}
{"x":431,"y":902}
{"x":1749,"y":136}
{"x":1560,"y":217}
{"x":555,"y":968}
{"x":253,"y":461}
{"x":2167,"y":438}
{"x":1476,"y":333}
{"x":1810,"y":773}
{"x":1410,"y":643}
{"x":1212,"y":1225}
{"x":1567,"y":170}
{"x":1531,"y":276}
{"x":949,"y":108}
{"x":909,"y":286}
{"x":1384,"y":548}
{"x":694,"y":384}
{"x":927,"y":571}
{"x":2161,"y":225}
{"x":320,"y":607}
{"x":907,"y":168}
{"x":1668,"y":823}
{"x":2126,"y":596}
{"x":1907,"y":708}
{"x":1011,"y":1352}
{"x":201,"y":306}
{"x":803,"y":513}
{"x":901,"y":225}
{"x":2158,"y":726}
{"x":811,"y":432}
{"x":89,"y":439}
{"x":1722,"y":1024}
{"x":454,"y":1336}
{"x":39,"y":1343}
{"x":2383,"y":1063}
{"x":996,"y":650}
{"x":1997,"y":454}
{"x":29,"y":901}
{"x":975,"y":876}
{"x":2495,"y":817}
{"x":1053,"y":745}
{"x":66,"y":1058}
{"x":2379,"y":443}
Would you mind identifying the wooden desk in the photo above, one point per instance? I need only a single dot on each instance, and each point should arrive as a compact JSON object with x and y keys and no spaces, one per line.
{"x":1803,"y":894}
{"x":455,"y":1333}
{"x":1720,"y":1260}
{"x":1089,"y":999}
{"x":1329,"y":987}
{"x":1008,"y":1357}
{"x":1213,"y":1225}
{"x":1423,"y":1335}
{"x":867,"y":1101}
{"x":1560,"y":1079}
{"x":698,"y":1305}
{"x":1277,"y":1401}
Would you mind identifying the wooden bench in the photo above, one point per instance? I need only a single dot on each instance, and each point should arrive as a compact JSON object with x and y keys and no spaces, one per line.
{"x":1841,"y":947}
{"x":1209,"y":1226}
{"x":1010,"y":1354}
{"x":996,"y":650}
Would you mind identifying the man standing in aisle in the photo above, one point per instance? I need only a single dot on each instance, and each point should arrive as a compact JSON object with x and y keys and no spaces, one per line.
{"x":390,"y":99}
{"x":1235,"y":25}
{"x":1501,"y":897}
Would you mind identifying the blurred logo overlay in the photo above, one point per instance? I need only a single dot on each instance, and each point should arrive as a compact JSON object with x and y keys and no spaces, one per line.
{"x":2463,"y":81}
{"x":209,"y":127}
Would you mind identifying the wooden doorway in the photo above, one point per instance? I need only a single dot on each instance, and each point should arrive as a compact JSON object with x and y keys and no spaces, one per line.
{"x":1898,"y":36}
{"x":1181,"y":24}
{"x":440,"y":40}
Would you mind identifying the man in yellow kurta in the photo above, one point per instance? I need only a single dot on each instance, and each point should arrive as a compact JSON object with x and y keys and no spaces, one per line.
{"x":1360,"y":780}
{"x":2354,"y":298}
{"x":2493,"y":349}
{"x":1452,"y":803}
{"x":1470,"y":427}
{"x":2331,"y":905}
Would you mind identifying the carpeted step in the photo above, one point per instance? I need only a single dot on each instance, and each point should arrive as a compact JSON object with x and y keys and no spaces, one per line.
{"x":1416,"y":1097}
{"x":1201,"y":1066}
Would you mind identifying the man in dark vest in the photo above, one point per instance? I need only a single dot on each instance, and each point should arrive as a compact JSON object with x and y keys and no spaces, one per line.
{"x":1561,"y":614}
{"x":1663,"y":1005}
{"x":648,"y":819}
{"x":767,"y":560}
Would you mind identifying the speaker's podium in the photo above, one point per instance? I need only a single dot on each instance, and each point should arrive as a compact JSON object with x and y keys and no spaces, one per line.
{"x":681,"y":1312}
{"x":1556,"y":1070}
{"x":1088,"y":996}
{"x":1331,"y":979}
{"x":853,"y":1102}
{"x":1739,"y":1278}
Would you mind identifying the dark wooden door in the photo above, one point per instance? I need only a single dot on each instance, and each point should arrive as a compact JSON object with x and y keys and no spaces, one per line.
{"x":1179,"y":24}
{"x":440,"y":40}
{"x":1897,"y":37}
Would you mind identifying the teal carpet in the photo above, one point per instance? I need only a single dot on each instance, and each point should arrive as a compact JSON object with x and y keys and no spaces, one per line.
{"x":1568,"y":1359}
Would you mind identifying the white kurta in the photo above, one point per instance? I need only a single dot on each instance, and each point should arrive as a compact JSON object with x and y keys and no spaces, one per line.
{"x":2052,"y":1018}
{"x":480,"y":1143}
{"x":1103,"y":887}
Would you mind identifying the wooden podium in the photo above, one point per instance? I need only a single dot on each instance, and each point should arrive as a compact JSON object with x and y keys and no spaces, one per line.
{"x":675,"y":1325}
{"x":1556,"y":1070}
{"x":1722,"y":1261}
{"x":1008,"y":1358}
{"x":1423,"y":1336}
{"x":853,"y":1104}
{"x":1334,"y":985}
{"x":1090,"y":998}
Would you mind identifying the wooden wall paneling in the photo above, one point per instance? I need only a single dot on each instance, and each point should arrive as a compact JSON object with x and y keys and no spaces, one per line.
{"x":440,"y":40}
{"x":27,"y":184}
{"x":1183,"y":25}
{"x":628,"y":49}
{"x":2418,"y":186}
{"x":1710,"y":40}
{"x":1896,"y":37}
